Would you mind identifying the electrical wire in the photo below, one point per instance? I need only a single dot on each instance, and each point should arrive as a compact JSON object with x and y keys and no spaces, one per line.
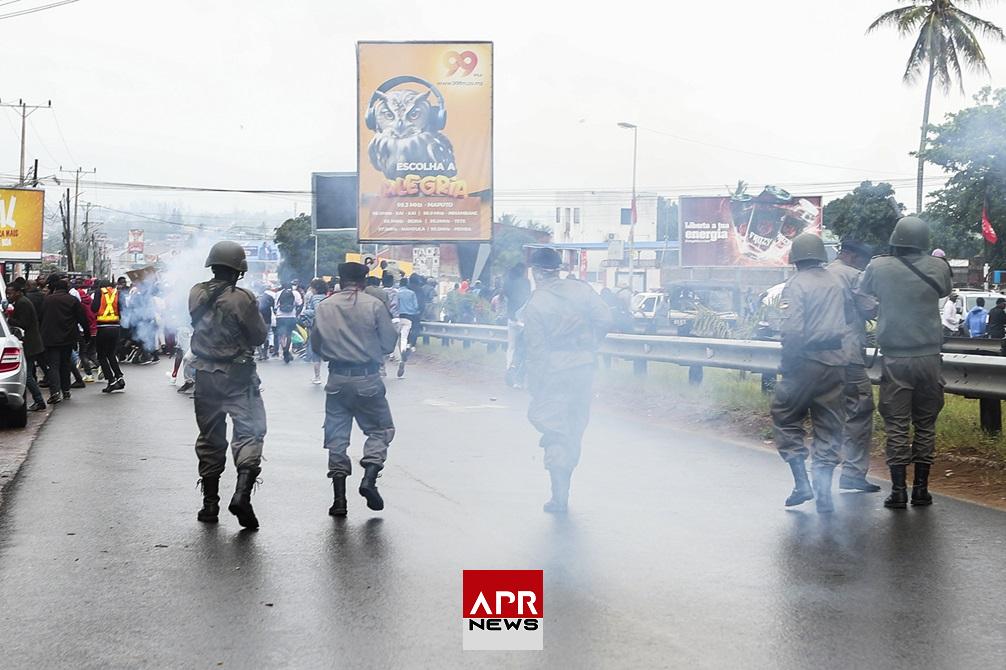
{"x":63,"y":138}
{"x":36,"y":9}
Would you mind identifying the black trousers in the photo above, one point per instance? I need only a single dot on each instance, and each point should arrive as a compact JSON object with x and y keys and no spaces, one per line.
{"x":417,"y":321}
{"x":107,"y":343}
{"x":59,"y":361}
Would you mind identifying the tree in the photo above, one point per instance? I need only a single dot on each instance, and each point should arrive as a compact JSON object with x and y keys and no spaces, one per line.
{"x":945,"y":37}
{"x":296,"y":247}
{"x":868,"y":214}
{"x":508,"y":242}
{"x":971,"y":146}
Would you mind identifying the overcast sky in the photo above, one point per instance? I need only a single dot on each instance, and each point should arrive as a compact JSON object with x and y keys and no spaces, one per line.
{"x":255,"y":94}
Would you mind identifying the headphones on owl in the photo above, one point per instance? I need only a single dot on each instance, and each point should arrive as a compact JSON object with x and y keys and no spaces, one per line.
{"x":439,"y":115}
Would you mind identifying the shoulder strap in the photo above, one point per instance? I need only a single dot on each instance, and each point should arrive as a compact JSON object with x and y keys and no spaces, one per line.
{"x":921,"y":275}
{"x":208,"y":305}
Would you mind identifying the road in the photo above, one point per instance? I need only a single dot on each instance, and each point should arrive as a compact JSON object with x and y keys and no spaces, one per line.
{"x":677,"y":552}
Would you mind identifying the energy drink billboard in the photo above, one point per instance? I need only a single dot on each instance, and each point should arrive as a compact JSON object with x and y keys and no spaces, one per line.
{"x":745,"y":230}
{"x":424,"y":150}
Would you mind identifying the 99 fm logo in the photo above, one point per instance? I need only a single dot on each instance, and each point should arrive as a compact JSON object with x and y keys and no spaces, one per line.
{"x":464,"y":62}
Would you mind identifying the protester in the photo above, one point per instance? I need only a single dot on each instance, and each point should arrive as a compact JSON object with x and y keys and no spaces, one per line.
{"x":288,"y":304}
{"x":24,"y":317}
{"x":353,"y":332}
{"x":317,"y":292}
{"x":87,"y":350}
{"x":951,"y":319}
{"x":409,"y":312}
{"x":62,"y":323}
{"x":107,"y":306}
{"x":517,"y":291}
{"x":266,"y":307}
{"x":976,"y":322}
{"x":997,"y":320}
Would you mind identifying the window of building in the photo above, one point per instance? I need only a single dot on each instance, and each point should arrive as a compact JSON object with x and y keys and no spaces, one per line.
{"x":576,"y":215}
{"x":558,"y":214}
{"x":568,"y":212}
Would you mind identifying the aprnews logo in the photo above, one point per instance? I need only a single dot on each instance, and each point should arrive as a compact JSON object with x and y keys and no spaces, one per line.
{"x":502,"y":610}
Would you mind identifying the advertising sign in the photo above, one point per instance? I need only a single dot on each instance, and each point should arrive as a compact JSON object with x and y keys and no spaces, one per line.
{"x":745,"y":230}
{"x":426,"y":261}
{"x":333,"y":200}
{"x":21,"y":218}
{"x":424,"y":153}
{"x":134,"y":244}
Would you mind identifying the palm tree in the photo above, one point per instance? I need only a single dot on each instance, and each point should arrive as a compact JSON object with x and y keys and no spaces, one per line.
{"x":945,"y":37}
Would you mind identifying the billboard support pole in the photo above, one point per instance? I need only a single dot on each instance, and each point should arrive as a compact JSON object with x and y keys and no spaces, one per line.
{"x":315,"y":254}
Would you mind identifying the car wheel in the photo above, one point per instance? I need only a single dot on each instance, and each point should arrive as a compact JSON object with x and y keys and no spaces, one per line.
{"x":14,"y":418}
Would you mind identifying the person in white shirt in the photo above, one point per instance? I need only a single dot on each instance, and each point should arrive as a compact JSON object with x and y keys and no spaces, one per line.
{"x":951,"y":319}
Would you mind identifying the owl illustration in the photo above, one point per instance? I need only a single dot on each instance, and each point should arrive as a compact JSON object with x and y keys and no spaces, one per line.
{"x":406,"y":133}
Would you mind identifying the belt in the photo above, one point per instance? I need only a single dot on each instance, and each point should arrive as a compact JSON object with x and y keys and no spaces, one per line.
{"x":347,"y":370}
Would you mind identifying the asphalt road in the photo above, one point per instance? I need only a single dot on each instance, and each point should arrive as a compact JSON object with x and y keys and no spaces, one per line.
{"x":677,"y":551}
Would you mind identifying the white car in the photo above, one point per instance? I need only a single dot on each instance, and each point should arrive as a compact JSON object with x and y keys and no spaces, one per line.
{"x":13,"y":379}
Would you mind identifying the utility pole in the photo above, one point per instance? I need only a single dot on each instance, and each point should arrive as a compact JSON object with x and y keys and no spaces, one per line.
{"x":632,"y":220}
{"x":76,"y":195}
{"x":26,"y":111}
{"x":64,"y":213}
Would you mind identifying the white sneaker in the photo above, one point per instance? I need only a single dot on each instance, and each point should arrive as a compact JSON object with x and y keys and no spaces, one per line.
{"x":173,"y":380}
{"x":88,"y":379}
{"x":316,"y":381}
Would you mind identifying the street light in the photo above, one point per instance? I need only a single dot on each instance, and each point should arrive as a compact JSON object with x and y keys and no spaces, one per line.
{"x":632,"y":213}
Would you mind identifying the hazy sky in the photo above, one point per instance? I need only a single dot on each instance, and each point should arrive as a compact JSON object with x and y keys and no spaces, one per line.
{"x":254,"y":94}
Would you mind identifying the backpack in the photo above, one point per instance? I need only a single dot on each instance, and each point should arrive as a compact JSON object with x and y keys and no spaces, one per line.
{"x":286,"y":300}
{"x":265,"y":302}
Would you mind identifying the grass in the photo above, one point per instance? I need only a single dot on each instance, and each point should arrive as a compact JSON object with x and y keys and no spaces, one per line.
{"x":734,"y":397}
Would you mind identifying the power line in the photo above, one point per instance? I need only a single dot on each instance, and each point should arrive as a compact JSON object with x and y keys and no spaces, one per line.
{"x":63,"y":138}
{"x":36,"y":9}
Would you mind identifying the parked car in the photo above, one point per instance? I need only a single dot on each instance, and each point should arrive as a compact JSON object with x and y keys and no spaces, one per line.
{"x":13,"y":378}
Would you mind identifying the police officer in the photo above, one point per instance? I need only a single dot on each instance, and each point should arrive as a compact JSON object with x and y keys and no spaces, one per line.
{"x":353,"y":332}
{"x":909,"y":284}
{"x":857,"y":436}
{"x":815,"y":324}
{"x":227,"y":327}
{"x":564,"y":322}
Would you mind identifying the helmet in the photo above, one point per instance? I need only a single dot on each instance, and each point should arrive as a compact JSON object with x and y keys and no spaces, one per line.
{"x":229,"y":254}
{"x":546,"y":259}
{"x":807,"y":247}
{"x":910,"y":231}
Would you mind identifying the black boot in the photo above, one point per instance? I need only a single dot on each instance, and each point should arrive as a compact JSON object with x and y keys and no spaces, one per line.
{"x":899,"y":490}
{"x":822,"y":490}
{"x":210,"y":513}
{"x":368,"y":488}
{"x":802,"y":492}
{"x":241,"y":506}
{"x":559,"y":503}
{"x":856,"y":482}
{"x":920,"y":487}
{"x":338,"y":507}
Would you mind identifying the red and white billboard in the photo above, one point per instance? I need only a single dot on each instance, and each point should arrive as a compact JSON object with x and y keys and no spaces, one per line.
{"x":134,"y":244}
{"x":745,"y":230}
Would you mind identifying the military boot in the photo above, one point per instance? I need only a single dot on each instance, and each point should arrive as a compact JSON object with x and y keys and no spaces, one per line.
{"x":559,"y":503}
{"x":856,"y":482}
{"x":920,"y":487}
{"x":822,"y":490}
{"x":338,"y":507}
{"x":899,"y":490}
{"x":241,"y":506}
{"x":368,"y":488}
{"x":211,"y":500}
{"x":802,"y":491}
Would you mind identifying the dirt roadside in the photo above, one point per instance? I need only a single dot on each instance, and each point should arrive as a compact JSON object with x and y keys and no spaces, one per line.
{"x":15,"y":443}
{"x":967,"y":478}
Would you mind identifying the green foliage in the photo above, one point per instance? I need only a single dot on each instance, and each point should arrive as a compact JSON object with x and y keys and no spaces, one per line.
{"x":971,"y":145}
{"x":296,"y":246}
{"x":508,"y":243}
{"x":868,"y":214}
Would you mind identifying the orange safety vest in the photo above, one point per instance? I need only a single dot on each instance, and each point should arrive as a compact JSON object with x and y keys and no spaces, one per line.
{"x":108,"y":310}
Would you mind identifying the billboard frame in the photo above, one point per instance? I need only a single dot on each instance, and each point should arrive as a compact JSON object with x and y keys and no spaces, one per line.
{"x":492,"y":143}
{"x":314,"y":218}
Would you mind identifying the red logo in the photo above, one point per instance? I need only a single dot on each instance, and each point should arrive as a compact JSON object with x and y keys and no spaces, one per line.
{"x":464,"y":61}
{"x":502,"y":610}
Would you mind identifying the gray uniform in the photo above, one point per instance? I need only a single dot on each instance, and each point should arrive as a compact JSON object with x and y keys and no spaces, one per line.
{"x":910,"y":335}
{"x":564,"y":321}
{"x":353,"y":332}
{"x":857,"y":436}
{"x":815,"y":324}
{"x":223,"y":343}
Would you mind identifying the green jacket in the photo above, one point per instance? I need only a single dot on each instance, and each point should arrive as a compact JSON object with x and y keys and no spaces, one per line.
{"x":229,"y":330}
{"x":817,"y":319}
{"x":564,"y":322}
{"x":908,"y":324}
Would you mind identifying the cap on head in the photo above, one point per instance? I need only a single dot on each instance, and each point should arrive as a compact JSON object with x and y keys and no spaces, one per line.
{"x":546,"y":258}
{"x":939,"y":253}
{"x":807,"y":247}
{"x":857,"y":247}
{"x":228,"y":254}
{"x":353,"y":272}
{"x":1001,"y":301}
{"x":912,"y":232}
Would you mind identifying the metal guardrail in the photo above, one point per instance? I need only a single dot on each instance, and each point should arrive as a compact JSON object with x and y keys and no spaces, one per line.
{"x":968,"y":375}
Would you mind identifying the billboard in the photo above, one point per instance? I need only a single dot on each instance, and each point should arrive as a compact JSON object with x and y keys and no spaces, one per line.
{"x":424,"y":141}
{"x":134,"y":243}
{"x":333,"y":200}
{"x":21,"y":220}
{"x":745,"y":230}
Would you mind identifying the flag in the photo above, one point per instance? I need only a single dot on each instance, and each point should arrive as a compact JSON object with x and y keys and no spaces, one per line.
{"x":988,"y":232}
